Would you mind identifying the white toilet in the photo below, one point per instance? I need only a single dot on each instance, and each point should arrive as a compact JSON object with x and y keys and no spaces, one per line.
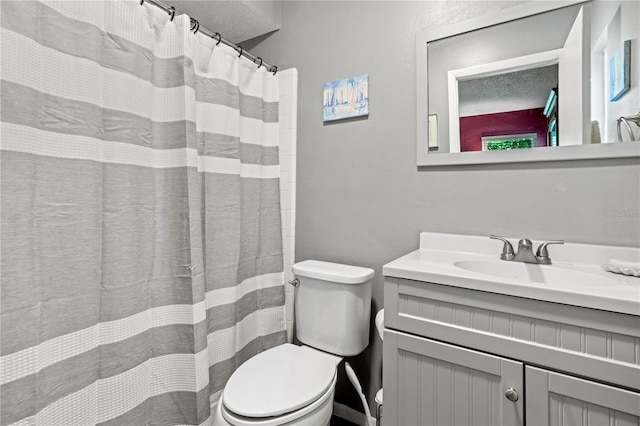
{"x":292,"y":384}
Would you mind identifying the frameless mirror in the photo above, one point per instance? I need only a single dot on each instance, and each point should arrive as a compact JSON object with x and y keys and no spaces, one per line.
{"x":492,"y":89}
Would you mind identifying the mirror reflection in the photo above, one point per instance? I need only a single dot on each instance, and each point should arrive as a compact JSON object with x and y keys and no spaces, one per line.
{"x":540,"y":77}
{"x":502,"y":88}
{"x":515,"y":110}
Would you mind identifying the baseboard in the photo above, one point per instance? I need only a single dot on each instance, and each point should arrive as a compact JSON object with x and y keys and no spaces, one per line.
{"x":351,"y":415}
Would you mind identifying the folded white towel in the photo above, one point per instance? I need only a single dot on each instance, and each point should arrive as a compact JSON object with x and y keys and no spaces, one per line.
{"x":621,"y":266}
{"x":621,"y":263}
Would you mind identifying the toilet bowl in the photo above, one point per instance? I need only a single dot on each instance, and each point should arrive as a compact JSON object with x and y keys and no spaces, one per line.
{"x":290,"y":384}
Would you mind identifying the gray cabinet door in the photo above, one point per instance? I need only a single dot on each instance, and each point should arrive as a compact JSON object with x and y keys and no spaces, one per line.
{"x":433,"y":383}
{"x":558,"y":399}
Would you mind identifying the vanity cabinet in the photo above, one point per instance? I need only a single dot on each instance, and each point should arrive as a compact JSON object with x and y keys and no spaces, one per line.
{"x":559,"y":399}
{"x":458,"y":356}
{"x":434,"y":383}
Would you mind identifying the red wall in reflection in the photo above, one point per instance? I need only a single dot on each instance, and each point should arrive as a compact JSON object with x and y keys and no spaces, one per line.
{"x":474,"y":127}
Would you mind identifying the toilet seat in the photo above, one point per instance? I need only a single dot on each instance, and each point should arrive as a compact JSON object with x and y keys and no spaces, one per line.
{"x":278,"y":382}
{"x":321,"y":408}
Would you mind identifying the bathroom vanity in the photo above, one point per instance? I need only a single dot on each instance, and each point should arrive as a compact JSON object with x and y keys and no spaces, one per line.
{"x":471,"y":339}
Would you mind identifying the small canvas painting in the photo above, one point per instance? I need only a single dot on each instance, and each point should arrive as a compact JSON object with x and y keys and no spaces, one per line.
{"x":619,"y":70}
{"x":346,"y":98}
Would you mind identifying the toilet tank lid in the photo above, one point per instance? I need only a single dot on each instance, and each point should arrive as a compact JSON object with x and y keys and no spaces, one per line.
{"x":335,"y":272}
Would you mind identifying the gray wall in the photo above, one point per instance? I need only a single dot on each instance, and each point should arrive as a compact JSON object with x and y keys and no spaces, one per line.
{"x":361,"y":199}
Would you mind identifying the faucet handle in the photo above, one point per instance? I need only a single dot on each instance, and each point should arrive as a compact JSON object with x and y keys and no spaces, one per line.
{"x":507,"y":249}
{"x":542,"y":255}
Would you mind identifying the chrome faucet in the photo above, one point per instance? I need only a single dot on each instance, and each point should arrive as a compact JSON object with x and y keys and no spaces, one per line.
{"x":525,"y":251}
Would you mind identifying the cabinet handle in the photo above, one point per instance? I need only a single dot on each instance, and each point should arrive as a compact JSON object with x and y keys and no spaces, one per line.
{"x":511,"y":394}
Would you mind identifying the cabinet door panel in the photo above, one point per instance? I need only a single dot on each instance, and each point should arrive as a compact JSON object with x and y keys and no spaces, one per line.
{"x":558,"y":399}
{"x":433,"y":383}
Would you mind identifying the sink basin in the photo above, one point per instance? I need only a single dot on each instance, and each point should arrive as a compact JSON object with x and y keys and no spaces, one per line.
{"x":531,"y":272}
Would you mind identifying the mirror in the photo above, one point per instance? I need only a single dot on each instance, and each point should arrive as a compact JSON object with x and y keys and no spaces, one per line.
{"x":525,"y":84}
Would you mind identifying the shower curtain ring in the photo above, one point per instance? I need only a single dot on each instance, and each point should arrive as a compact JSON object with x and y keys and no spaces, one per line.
{"x":274,"y":69}
{"x":260,"y":64}
{"x":219,"y":38}
{"x":172,"y":13}
{"x":141,"y":2}
{"x":195,"y":25}
{"x":240,"y":47}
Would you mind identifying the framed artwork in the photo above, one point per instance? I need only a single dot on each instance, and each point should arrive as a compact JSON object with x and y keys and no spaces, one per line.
{"x":346,"y":98}
{"x":619,"y":70}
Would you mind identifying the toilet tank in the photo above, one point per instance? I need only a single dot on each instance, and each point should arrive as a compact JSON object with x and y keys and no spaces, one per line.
{"x":333,"y":306}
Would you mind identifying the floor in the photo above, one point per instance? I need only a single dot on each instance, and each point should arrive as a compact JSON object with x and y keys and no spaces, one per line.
{"x":339,"y":421}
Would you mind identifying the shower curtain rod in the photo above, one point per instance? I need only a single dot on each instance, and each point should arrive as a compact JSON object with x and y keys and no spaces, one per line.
{"x":195,"y":27}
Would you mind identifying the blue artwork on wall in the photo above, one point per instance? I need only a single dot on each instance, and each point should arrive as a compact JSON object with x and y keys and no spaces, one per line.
{"x":346,"y":98}
{"x":619,"y":70}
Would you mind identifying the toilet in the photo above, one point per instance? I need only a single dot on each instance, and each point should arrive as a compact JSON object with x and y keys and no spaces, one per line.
{"x":292,"y":384}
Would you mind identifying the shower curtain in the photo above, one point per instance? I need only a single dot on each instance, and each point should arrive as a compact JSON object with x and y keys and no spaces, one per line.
{"x":141,"y":238}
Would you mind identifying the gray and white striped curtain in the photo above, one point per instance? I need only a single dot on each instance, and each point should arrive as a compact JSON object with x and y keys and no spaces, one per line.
{"x":141,"y":237}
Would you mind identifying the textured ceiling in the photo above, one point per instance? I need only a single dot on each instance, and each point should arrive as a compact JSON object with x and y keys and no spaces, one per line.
{"x":507,"y":92}
{"x":236,"y":20}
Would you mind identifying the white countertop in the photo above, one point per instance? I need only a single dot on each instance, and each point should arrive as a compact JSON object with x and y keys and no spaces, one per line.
{"x":434,"y":262}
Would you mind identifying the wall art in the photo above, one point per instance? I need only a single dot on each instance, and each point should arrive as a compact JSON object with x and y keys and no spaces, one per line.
{"x":346,"y":98}
{"x":619,"y":70}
